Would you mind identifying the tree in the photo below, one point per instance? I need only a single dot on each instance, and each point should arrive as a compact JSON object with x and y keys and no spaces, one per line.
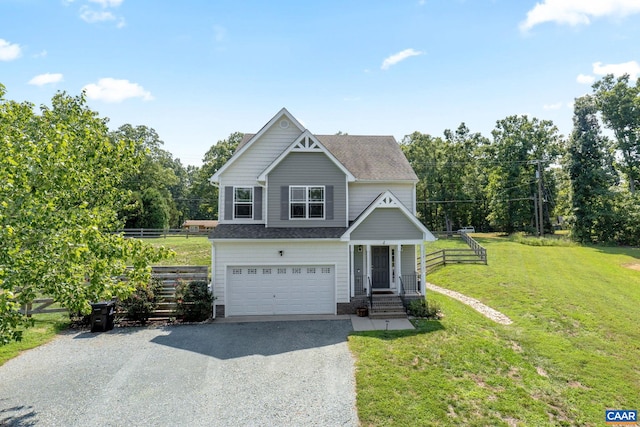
{"x":619,"y":104}
{"x":518,"y":143}
{"x":61,"y":174}
{"x":589,"y":163}
{"x":201,"y":189}
{"x":158,"y":171}
{"x":449,"y":188}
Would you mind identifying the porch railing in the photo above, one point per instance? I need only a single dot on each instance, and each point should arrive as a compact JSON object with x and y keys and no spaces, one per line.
{"x":409,"y":284}
{"x":370,"y":292}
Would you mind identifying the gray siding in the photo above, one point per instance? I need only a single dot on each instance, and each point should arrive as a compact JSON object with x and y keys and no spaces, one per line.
{"x":386,"y":224}
{"x":408,"y":259}
{"x":306,"y":169}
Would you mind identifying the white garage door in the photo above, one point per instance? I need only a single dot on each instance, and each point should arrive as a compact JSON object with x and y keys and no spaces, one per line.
{"x":265,"y":290}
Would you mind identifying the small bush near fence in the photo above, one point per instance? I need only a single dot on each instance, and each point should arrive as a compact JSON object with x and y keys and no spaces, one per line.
{"x":143,"y":302}
{"x":194,"y":301}
{"x":424,"y":309}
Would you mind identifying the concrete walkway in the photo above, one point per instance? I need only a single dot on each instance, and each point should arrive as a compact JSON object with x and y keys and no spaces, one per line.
{"x":358,"y":323}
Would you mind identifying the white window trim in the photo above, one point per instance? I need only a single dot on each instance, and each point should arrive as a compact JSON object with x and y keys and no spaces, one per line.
{"x":242,"y":202}
{"x":307,"y":202}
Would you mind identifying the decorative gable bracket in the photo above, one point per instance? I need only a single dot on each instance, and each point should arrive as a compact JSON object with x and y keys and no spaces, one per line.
{"x":386,"y":201}
{"x":307,"y":144}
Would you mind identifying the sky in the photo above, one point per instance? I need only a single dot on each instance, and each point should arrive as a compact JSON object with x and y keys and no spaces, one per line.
{"x":197,"y":71}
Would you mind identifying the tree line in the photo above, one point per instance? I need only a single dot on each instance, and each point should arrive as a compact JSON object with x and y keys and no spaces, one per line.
{"x":585,"y":182}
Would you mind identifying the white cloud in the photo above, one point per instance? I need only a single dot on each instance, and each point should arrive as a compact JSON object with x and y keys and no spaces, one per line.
{"x":46,"y":78}
{"x":585,"y":79}
{"x":632,"y":68}
{"x":400,"y":56}
{"x":91,"y":16}
{"x":107,"y":3}
{"x":41,"y":54}
{"x":9,"y":51}
{"x":555,"y":106}
{"x":116,"y":90}
{"x":576,"y":12}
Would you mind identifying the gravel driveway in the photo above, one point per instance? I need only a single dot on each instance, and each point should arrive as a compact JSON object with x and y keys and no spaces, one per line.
{"x":235,"y":374}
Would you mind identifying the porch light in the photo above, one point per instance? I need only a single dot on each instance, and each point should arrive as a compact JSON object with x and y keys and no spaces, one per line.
{"x":359,"y":248}
{"x":281,"y":253}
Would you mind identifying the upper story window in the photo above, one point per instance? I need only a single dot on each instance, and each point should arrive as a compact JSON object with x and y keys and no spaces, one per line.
{"x":243,"y":202}
{"x":306,"y":202}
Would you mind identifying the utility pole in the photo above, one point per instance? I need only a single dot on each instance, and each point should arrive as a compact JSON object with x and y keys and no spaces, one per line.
{"x":540,"y":211}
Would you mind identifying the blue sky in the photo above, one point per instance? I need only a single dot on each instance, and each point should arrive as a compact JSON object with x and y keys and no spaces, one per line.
{"x":197,"y":71}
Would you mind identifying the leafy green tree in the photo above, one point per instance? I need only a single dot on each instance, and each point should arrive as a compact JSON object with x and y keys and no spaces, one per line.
{"x":159,"y":171}
{"x":449,"y":192}
{"x":589,"y":163}
{"x":619,"y":104}
{"x":201,"y":190}
{"x":61,"y":177}
{"x":518,"y":143}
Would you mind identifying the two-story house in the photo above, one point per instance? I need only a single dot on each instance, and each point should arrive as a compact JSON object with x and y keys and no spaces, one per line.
{"x":309,"y":224}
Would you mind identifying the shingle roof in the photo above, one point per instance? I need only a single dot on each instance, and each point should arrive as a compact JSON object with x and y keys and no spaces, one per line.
{"x":259,"y":231}
{"x":376,"y":158}
{"x":367,"y":157}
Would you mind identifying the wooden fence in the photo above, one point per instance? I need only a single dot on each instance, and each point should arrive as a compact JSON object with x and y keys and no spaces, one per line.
{"x":152,"y":233}
{"x":169,"y":275}
{"x":476,"y":254}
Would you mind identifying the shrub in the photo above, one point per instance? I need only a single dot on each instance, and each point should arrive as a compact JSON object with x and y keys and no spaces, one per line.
{"x":194,"y":301}
{"x":424,"y":309}
{"x":141,"y":304}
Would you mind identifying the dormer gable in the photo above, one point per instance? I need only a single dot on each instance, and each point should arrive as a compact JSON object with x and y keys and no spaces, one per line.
{"x":306,"y":143}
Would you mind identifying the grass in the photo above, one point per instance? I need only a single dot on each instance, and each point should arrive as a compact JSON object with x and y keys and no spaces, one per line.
{"x":572,"y":352}
{"x":195,"y":250}
{"x":44,"y":330}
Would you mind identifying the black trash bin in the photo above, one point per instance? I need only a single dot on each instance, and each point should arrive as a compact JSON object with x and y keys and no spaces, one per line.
{"x":102,"y":316}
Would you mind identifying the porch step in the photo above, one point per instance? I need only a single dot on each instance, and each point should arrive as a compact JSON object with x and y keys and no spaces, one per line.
{"x":387,"y":307}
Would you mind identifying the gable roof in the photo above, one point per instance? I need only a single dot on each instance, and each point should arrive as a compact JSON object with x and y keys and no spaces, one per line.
{"x":249,"y":139}
{"x":388,"y":200}
{"x":366,"y":157}
{"x":306,"y":142}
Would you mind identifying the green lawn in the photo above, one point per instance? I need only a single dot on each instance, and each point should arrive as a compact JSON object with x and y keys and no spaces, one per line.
{"x":44,"y":330}
{"x":572,"y":351}
{"x":194,"y":250}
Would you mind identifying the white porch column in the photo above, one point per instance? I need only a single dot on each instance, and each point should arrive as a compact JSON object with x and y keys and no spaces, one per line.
{"x":351,"y":273}
{"x":398,"y":266}
{"x":213,"y":274}
{"x":423,"y":271}
{"x":367,"y":269}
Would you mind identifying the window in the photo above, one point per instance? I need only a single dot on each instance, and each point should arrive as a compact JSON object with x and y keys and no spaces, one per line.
{"x":252,"y":271}
{"x":243,"y":202}
{"x":306,"y":202}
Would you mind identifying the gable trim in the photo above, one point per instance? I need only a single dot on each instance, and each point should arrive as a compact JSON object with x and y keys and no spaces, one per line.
{"x":306,"y":143}
{"x":388,"y":200}
{"x":216,"y":176}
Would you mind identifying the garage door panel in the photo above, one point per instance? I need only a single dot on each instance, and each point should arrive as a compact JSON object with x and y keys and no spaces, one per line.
{"x":266,"y":290}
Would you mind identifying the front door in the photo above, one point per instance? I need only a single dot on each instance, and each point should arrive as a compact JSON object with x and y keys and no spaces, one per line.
{"x":380,"y":267}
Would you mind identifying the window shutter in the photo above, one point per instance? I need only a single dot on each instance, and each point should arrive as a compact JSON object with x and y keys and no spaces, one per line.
{"x":257,"y":203}
{"x":328,"y":202}
{"x":228,"y":203}
{"x":284,"y":203}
